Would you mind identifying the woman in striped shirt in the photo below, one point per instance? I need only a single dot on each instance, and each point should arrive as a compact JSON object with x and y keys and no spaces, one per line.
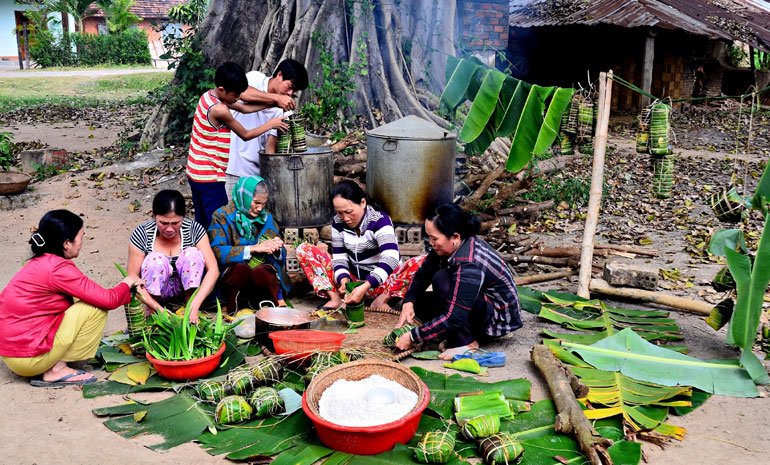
{"x":364,"y":248}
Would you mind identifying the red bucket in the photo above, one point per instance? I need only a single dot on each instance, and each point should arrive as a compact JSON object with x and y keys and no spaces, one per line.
{"x":303,"y":342}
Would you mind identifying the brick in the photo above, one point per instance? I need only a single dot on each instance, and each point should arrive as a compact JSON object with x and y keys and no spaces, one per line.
{"x":401,"y":234}
{"x":310,"y":235}
{"x":625,"y":274}
{"x":414,"y":235}
{"x":498,"y":28}
{"x":32,"y":159}
{"x":290,"y":235}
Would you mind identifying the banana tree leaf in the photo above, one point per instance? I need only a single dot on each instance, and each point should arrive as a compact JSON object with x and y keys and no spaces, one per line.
{"x":177,"y":420}
{"x":400,"y":454}
{"x":504,"y":102}
{"x":108,"y":388}
{"x":550,"y":128}
{"x":762,"y":193}
{"x":531,"y":300}
{"x":514,"y":109}
{"x":256,"y":438}
{"x":481,"y":143}
{"x":525,"y":136}
{"x":458,"y":85}
{"x":120,"y":410}
{"x":748,"y":305}
{"x":110,"y":354}
{"x":613,"y":393}
{"x":483,"y":107}
{"x":652,"y":325}
{"x":337,"y":458}
{"x":727,"y":238}
{"x":443,"y":389}
{"x":631,"y":355}
{"x":302,"y":455}
{"x":625,"y":453}
{"x":697,"y":399}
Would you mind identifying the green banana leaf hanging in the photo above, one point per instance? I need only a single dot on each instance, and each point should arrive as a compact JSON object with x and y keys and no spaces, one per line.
{"x":631,"y":355}
{"x":503,"y":107}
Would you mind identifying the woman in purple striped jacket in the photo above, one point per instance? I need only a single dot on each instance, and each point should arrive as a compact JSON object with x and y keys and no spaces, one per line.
{"x":364,"y":248}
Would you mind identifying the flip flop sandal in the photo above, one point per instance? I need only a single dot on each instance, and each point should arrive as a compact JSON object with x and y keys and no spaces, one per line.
{"x":64,"y":381}
{"x":485,"y":359}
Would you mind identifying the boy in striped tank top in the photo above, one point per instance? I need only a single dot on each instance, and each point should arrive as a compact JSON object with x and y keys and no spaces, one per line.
{"x":210,"y":138}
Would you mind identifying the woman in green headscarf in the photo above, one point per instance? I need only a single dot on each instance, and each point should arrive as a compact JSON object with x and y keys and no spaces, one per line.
{"x":247,"y":243}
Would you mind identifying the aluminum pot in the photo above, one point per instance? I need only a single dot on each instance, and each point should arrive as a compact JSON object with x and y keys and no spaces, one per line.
{"x":410,"y":168}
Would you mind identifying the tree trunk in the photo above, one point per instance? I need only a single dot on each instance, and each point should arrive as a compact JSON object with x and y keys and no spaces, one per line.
{"x":391,"y":80}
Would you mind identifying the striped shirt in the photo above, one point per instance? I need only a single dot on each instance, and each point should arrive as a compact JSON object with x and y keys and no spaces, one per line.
{"x":209,"y":144}
{"x":370,"y":253}
{"x":477,"y":271}
{"x":144,"y":236}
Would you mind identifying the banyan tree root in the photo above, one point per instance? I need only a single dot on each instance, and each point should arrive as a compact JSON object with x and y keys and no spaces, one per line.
{"x":570,"y":419}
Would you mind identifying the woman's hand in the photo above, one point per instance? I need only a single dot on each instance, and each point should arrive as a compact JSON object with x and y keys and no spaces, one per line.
{"x":269,"y":246}
{"x":357,"y":294}
{"x":133,"y":282}
{"x":194,"y":308}
{"x":404,"y":341}
{"x":407,"y":315}
{"x":279,"y":123}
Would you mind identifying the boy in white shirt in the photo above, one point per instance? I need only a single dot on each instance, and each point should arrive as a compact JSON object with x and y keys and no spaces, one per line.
{"x":289,"y":76}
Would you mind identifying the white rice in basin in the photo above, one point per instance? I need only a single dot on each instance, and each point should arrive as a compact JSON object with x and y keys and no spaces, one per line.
{"x":344,"y":402}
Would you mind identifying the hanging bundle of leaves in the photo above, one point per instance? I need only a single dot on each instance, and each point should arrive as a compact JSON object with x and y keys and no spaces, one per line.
{"x":499,"y":449}
{"x":481,"y":426}
{"x":266,"y":401}
{"x":212,"y":390}
{"x":267,"y":371}
{"x":728,"y":205}
{"x":660,"y":129}
{"x":241,"y":381}
{"x":663,"y":176}
{"x":435,"y":447}
{"x":232,"y":409}
{"x":134,"y":310}
{"x":643,"y":130}
{"x":392,"y":337}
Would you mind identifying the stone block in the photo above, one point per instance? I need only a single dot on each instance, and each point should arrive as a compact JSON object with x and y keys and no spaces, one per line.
{"x":326,"y":232}
{"x":625,"y":274}
{"x":310,"y":235}
{"x":290,"y":235}
{"x":31,"y":160}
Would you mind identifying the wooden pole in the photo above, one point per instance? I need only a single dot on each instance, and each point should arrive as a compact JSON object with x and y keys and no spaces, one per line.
{"x":597,"y":181}
{"x":540,"y":278}
{"x":684,"y":304}
{"x":649,"y":58}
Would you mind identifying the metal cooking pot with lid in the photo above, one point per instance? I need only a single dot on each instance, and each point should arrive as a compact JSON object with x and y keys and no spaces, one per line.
{"x":410,"y":168}
{"x":279,"y":318}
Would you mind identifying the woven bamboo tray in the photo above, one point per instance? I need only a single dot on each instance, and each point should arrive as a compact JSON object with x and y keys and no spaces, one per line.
{"x":356,"y":371}
{"x":13,"y":182}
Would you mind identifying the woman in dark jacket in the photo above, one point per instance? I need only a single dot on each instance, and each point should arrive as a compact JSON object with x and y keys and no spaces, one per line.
{"x":474,"y":298}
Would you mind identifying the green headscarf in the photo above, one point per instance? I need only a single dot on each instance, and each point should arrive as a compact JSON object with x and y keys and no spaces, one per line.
{"x":243,"y":194}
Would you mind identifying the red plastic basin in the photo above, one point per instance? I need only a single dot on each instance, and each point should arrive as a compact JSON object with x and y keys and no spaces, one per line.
{"x":368,"y":440}
{"x":303,"y":342}
{"x":187,"y":370}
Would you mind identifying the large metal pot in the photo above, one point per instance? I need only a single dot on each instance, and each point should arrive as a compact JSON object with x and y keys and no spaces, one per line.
{"x":300,"y":184}
{"x":410,"y":168}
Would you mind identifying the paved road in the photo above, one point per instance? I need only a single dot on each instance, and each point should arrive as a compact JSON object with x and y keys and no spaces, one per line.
{"x":33,"y":73}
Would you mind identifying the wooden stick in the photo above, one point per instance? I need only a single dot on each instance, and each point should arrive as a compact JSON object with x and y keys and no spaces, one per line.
{"x":528,"y":208}
{"x":570,"y":419}
{"x":684,"y":304}
{"x":553,"y":261}
{"x":486,"y":184}
{"x":629,"y":249}
{"x":539,"y":278}
{"x":597,"y":181}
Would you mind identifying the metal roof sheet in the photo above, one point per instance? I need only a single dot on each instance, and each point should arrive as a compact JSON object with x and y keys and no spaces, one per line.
{"x":744,"y":20}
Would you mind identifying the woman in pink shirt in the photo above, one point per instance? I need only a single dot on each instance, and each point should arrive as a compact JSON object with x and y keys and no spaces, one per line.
{"x":41,"y":326}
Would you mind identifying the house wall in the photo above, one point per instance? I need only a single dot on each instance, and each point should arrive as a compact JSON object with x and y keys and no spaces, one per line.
{"x":8,"y":46}
{"x":573,"y":56}
{"x":482,"y":28}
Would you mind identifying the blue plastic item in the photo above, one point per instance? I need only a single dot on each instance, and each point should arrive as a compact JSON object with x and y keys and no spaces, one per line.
{"x":485,"y":359}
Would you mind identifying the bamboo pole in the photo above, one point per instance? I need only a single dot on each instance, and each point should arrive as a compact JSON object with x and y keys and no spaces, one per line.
{"x":684,"y":304}
{"x":540,"y":278}
{"x":597,"y":180}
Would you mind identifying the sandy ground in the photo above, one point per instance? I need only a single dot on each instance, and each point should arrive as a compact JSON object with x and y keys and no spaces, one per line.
{"x":46,"y":426}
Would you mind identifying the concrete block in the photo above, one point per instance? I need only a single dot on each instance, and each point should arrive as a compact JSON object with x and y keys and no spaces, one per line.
{"x":290,"y":235}
{"x":401,"y":234}
{"x":310,"y":235}
{"x":292,"y":265}
{"x":625,"y":274}
{"x":414,"y":235}
{"x":411,"y":250}
{"x":31,"y":160}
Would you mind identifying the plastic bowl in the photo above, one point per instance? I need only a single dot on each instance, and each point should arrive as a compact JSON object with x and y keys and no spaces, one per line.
{"x":187,"y":370}
{"x":365,"y":440}
{"x":303,"y":342}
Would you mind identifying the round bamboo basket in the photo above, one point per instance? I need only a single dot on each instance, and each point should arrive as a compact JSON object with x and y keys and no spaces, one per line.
{"x":13,"y":182}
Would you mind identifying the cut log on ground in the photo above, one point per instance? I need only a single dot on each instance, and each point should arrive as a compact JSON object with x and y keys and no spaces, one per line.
{"x":562,"y":252}
{"x":628,"y":248}
{"x":540,"y":278}
{"x":570,"y":419}
{"x":560,"y":262}
{"x":529,"y":208}
{"x":684,"y":304}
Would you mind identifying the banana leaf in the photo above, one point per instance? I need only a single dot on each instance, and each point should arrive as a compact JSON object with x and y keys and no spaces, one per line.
{"x":400,"y":454}
{"x":176,"y":420}
{"x":483,"y":107}
{"x":613,"y":393}
{"x":510,"y":118}
{"x":506,"y":101}
{"x":761,"y":195}
{"x":602,"y":320}
{"x":550,"y":128}
{"x":302,"y":455}
{"x":443,"y":389}
{"x":525,"y":136}
{"x":109,"y":388}
{"x":458,"y":84}
{"x":727,"y":238}
{"x":269,"y":436}
{"x":631,"y":355}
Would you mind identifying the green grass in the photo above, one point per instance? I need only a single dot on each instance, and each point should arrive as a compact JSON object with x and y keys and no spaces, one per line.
{"x":78,"y":91}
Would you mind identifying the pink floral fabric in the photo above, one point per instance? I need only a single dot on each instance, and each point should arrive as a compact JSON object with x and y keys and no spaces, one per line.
{"x":162,"y":281}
